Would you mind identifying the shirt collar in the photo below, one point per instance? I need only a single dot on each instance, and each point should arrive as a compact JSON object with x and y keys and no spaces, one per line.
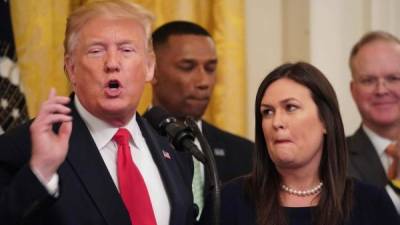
{"x":199,"y":124}
{"x":101,"y":131}
{"x":380,"y":143}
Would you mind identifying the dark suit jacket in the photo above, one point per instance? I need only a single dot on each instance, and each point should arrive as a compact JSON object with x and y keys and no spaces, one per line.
{"x":371,"y":206}
{"x":233,"y":154}
{"x":87,"y":195}
{"x":364,"y":160}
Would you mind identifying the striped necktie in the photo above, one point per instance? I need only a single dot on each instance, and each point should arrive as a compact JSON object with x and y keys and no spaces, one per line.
{"x":392,"y":172}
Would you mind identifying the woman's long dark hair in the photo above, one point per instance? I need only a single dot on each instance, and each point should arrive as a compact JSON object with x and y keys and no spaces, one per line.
{"x":264,"y":182}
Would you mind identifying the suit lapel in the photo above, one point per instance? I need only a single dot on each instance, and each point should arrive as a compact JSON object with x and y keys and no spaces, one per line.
{"x":366,"y":159}
{"x":207,"y":132}
{"x":87,"y":163}
{"x":212,"y":142}
{"x":220,"y":158}
{"x":218,"y":147}
{"x":165,"y":157}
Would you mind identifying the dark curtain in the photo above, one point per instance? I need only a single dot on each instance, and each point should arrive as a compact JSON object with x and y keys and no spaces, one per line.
{"x":13,"y":110}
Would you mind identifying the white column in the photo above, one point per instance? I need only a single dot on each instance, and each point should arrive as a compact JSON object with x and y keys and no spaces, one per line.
{"x":263,"y":46}
{"x":335,"y":27}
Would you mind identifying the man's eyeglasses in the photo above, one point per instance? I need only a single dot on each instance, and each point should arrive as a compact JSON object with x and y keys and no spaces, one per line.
{"x":370,"y":82}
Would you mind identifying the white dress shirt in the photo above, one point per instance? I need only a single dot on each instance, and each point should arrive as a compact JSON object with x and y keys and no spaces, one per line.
{"x":197,"y":143}
{"x":380,"y":144}
{"x":102,"y":134}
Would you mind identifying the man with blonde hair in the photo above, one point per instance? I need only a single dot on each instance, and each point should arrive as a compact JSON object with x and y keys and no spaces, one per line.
{"x":90,"y":158}
{"x":375,"y":87}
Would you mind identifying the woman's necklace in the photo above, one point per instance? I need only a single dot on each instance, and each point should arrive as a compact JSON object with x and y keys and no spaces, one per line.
{"x":302,"y":193}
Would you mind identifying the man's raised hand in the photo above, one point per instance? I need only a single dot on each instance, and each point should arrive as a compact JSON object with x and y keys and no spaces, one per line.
{"x":49,"y":149}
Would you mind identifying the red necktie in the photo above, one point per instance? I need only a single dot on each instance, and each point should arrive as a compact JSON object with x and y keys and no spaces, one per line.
{"x":392,"y":171}
{"x":131,"y":184}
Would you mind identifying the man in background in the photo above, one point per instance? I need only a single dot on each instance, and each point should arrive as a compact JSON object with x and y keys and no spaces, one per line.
{"x":375,"y":87}
{"x":184,"y":79}
{"x":91,"y":159}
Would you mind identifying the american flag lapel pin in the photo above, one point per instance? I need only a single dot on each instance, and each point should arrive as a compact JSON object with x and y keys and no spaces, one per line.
{"x":166,"y":154}
{"x":219,"y":152}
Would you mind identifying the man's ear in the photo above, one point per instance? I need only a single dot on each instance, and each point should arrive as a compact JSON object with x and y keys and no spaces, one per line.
{"x":154,"y":81}
{"x":353,"y":89}
{"x":69,"y":68}
{"x":150,"y":67}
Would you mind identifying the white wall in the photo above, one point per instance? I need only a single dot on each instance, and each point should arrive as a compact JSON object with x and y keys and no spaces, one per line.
{"x":264,"y":47}
{"x":329,"y":32}
{"x":335,"y":27}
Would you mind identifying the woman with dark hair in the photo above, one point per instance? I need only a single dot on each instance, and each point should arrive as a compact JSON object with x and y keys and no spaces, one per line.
{"x":299,"y":173}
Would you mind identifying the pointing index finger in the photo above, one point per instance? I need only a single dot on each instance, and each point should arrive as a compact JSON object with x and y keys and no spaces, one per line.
{"x":52,"y":93}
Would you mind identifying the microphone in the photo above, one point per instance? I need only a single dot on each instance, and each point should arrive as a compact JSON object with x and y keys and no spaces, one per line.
{"x":180,"y":135}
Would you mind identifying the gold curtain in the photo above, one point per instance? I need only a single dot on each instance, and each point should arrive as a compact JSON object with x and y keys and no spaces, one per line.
{"x":39,"y":30}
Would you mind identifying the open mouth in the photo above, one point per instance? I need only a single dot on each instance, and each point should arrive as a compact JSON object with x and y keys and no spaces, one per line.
{"x":113,"y":88}
{"x":113,"y":84}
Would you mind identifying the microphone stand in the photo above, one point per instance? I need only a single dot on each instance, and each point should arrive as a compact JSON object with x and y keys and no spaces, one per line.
{"x":211,"y":168}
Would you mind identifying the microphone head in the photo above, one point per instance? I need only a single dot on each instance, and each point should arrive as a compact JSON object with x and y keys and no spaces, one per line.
{"x":159,"y":118}
{"x":179,"y":135}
